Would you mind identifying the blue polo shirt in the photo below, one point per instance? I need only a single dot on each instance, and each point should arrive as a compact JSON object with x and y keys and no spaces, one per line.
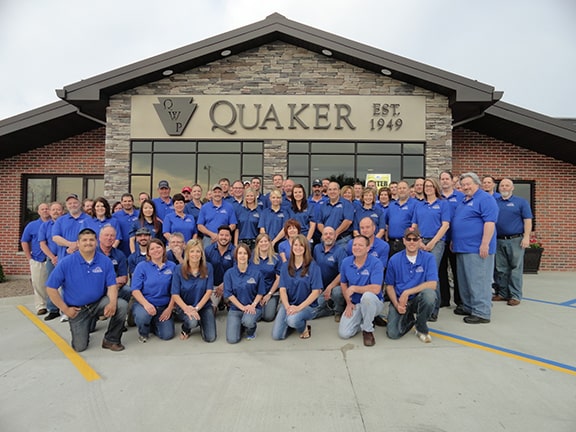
{"x":119,"y":261}
{"x":212,"y":216}
{"x":430,"y":216}
{"x":151,"y":227}
{"x":68,"y":227}
{"x":154,"y":282}
{"x":372,"y":272}
{"x":125,"y":221}
{"x":82,"y":283}
{"x":220,"y":263}
{"x":468,"y":223}
{"x":273,"y":221}
{"x":268,"y":270}
{"x":244,"y":286}
{"x":191,"y":209}
{"x":101,"y":223}
{"x":284,"y":246}
{"x":299,"y":287}
{"x":184,"y":224}
{"x":192,"y":290}
{"x":45,"y":234}
{"x":333,"y":215}
{"x":30,"y":236}
{"x":373,"y":213}
{"x":247,"y":222}
{"x":399,"y":217}
{"x":403,"y":275}
{"x":134,"y":259}
{"x":512,"y":213}
{"x":453,"y":200}
{"x":329,"y":261}
{"x":304,"y":218}
{"x":379,"y":249}
{"x":163,"y":208}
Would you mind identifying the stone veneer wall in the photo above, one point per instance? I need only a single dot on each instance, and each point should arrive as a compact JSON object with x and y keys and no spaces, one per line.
{"x":275,"y":68}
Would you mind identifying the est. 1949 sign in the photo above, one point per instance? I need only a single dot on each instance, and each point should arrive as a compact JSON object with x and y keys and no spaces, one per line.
{"x":279,"y":117}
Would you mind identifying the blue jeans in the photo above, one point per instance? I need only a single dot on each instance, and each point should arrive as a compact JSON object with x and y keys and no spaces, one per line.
{"x":475,"y":280}
{"x":362,"y":317}
{"x":270,"y":308}
{"x":422,"y":305}
{"x":336,"y":306}
{"x":438,"y":252}
{"x":147,"y":323}
{"x":236,"y":320}
{"x":81,"y":323}
{"x":509,"y":268}
{"x":125,"y":293}
{"x":284,"y":321}
{"x":207,"y":322}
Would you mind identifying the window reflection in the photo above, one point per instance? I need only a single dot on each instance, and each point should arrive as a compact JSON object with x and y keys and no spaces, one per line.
{"x":212,"y":168}
{"x":178,"y":169}
{"x":413,"y":166}
{"x":379,"y":165}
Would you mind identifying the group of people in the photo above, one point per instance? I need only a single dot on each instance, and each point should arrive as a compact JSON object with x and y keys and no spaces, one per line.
{"x":283,"y":256}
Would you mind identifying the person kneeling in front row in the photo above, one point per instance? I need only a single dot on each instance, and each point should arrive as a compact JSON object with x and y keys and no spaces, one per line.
{"x":410,"y":284}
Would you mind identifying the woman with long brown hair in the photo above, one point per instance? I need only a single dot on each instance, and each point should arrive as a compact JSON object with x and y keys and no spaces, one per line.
{"x":300,"y":286}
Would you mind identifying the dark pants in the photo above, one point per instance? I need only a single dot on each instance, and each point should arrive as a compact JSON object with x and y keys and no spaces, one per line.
{"x":443,"y":280}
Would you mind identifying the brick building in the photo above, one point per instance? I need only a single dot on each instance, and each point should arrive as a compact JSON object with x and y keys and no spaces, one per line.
{"x":279,"y":97}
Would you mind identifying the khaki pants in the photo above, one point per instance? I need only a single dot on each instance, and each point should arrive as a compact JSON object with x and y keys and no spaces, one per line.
{"x":39,"y":275}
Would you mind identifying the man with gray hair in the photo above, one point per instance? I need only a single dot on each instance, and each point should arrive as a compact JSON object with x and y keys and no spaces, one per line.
{"x":474,"y":242}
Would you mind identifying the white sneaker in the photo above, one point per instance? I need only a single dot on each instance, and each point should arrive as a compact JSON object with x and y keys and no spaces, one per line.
{"x":424,"y":337}
{"x":64,"y":318}
{"x":142,"y":339}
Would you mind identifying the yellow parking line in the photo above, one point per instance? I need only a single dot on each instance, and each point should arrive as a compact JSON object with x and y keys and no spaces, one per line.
{"x":84,"y":368}
{"x":544,"y":363}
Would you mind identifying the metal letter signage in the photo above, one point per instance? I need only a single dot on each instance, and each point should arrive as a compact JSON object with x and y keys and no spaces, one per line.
{"x":175,"y":113}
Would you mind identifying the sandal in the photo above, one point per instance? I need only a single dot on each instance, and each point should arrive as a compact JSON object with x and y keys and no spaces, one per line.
{"x":184,"y":335}
{"x":306,"y":334}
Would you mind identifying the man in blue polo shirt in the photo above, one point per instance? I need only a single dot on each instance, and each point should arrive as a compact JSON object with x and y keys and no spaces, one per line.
{"x":411,"y":280}
{"x":163,"y":202}
{"x":399,"y":217}
{"x":220,"y":255}
{"x":30,"y":242}
{"x":361,"y":277}
{"x":126,"y":218}
{"x":51,"y":250}
{"x":213,"y":214}
{"x":107,"y":238}
{"x":329,"y":257}
{"x":337,"y":213}
{"x":513,"y":237}
{"x":66,"y":228}
{"x":474,"y":242}
{"x":89,"y":291}
{"x":378,"y":248}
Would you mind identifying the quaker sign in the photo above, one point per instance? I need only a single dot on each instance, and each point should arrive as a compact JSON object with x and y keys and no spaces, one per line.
{"x":373,"y":118}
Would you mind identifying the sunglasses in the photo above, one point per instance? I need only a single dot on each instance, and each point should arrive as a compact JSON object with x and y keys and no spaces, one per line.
{"x":412,"y":239}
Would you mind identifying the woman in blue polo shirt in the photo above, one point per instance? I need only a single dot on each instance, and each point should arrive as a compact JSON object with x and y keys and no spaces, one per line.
{"x":300,"y":286}
{"x":244,"y":288}
{"x":178,"y":221}
{"x":192,"y":285}
{"x":103,"y":217}
{"x":272,"y":218}
{"x":151,"y":283}
{"x":146,"y":219}
{"x":248,"y":215}
{"x":268,"y":263}
{"x":302,"y":213}
{"x":368,"y":208}
{"x":432,"y":218}
{"x":291,"y":229}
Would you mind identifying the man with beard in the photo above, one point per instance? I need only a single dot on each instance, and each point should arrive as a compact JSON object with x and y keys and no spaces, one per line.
{"x":220,"y":255}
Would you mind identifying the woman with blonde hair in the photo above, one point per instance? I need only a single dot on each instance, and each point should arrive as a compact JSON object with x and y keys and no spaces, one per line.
{"x":268,"y":263}
{"x":192,"y":287}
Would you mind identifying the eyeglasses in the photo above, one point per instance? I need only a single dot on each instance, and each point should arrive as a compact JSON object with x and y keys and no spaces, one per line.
{"x":412,"y":239}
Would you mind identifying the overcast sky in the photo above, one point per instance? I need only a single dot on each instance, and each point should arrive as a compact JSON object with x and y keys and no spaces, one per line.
{"x":526,"y":48}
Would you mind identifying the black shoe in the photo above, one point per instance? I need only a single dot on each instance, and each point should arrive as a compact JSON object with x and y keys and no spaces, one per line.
{"x":51,"y":316}
{"x":461,"y":311}
{"x":433,"y":318}
{"x":473,"y":319}
{"x":380,"y":321}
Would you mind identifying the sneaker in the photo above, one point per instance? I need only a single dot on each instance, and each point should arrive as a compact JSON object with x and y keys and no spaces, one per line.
{"x":424,"y":337}
{"x":337,"y":317}
{"x":251,"y":337}
{"x":433,"y":318}
{"x":142,"y":339}
{"x":64,"y":318}
{"x":380,"y":321}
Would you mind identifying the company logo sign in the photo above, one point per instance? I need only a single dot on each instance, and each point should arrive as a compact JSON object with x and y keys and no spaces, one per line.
{"x":175,"y":113}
